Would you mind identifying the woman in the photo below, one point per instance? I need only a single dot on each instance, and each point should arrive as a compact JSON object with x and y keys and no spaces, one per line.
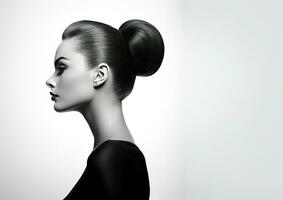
{"x":95,"y":69}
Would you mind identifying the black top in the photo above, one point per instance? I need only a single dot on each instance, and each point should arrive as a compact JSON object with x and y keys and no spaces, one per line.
{"x":115,"y":170}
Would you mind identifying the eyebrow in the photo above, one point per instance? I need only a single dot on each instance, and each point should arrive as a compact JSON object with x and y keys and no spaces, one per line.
{"x":58,"y":59}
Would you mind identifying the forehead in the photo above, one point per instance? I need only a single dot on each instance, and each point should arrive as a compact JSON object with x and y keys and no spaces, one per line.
{"x":67,"y":49}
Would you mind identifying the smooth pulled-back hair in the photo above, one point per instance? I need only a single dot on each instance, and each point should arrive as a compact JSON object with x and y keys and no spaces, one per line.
{"x":136,"y":49}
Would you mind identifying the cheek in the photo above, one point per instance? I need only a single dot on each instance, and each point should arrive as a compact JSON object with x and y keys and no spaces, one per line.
{"x":78,"y":87}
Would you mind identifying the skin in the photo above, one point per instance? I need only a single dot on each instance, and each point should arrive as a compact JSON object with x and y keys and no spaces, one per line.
{"x":90,"y":92}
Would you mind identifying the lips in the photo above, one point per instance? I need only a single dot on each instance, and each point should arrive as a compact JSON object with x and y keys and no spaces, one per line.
{"x":54,"y":96}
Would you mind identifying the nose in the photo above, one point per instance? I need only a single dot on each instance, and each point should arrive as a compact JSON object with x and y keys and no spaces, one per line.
{"x":50,"y":82}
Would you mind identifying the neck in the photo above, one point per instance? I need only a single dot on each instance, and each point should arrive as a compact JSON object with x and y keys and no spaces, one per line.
{"x":106,"y":121}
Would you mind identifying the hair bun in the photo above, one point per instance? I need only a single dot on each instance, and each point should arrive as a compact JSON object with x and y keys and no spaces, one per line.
{"x":145,"y":45}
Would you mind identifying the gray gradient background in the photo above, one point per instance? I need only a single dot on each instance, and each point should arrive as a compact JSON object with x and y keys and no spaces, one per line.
{"x":209,"y":122}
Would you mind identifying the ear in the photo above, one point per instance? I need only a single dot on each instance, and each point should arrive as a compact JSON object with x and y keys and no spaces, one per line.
{"x":101,"y":74}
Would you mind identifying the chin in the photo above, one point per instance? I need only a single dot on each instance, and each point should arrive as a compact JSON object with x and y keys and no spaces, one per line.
{"x":66,"y":108}
{"x":60,"y":109}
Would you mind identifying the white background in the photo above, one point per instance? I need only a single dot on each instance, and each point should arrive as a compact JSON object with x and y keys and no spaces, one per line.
{"x":234,"y":100}
{"x":209,"y":122}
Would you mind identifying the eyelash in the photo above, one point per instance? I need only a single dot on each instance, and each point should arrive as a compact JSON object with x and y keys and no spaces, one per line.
{"x":60,"y":69}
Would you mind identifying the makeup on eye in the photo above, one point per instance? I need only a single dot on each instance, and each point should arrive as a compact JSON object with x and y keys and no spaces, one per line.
{"x":60,"y":69}
{"x":57,"y":66}
{"x":60,"y":64}
{"x":58,"y":60}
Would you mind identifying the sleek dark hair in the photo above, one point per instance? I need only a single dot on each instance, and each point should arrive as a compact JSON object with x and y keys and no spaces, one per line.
{"x":137,"y":48}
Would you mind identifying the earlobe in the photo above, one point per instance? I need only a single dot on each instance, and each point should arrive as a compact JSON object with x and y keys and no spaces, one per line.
{"x":101,"y":74}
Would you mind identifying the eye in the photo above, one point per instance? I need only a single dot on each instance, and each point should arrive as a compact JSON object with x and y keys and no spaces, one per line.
{"x":60,"y":70}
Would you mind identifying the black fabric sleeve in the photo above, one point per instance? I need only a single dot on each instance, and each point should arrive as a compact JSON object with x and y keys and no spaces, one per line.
{"x":115,"y":171}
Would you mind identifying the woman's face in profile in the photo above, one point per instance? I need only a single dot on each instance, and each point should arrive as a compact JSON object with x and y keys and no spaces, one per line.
{"x":71,"y":81}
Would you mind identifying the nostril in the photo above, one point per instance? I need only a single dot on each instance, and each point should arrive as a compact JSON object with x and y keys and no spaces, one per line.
{"x":49,"y":84}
